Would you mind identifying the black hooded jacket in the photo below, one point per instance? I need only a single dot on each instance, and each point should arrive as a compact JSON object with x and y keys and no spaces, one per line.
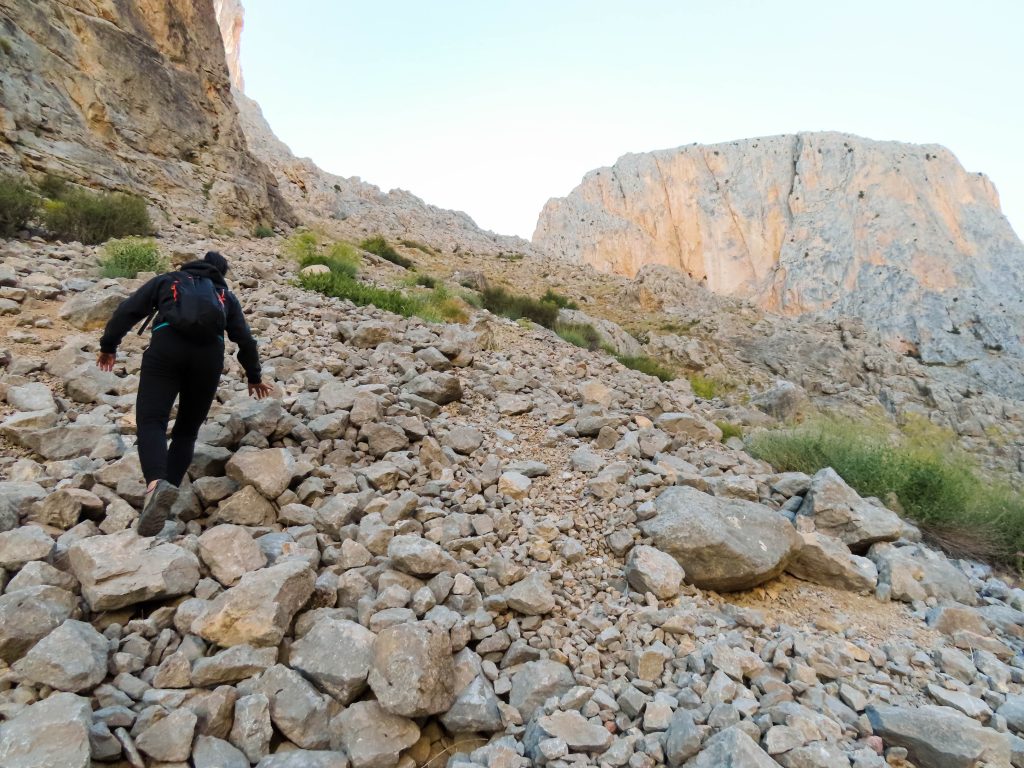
{"x":141,"y":304}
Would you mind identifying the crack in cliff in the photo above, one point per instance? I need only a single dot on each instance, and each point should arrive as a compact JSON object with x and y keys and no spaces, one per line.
{"x":671,"y":213}
{"x":732,"y":213}
{"x":798,"y":149}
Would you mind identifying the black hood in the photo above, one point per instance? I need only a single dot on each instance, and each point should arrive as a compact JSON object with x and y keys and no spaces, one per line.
{"x":201,"y":268}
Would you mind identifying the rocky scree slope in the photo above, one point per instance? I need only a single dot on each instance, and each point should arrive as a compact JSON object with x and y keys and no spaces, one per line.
{"x":473,"y":544}
{"x":132,"y":97}
{"x":898,"y":235}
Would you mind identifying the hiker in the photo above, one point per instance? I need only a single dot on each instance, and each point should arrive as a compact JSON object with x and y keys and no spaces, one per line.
{"x":190,"y":309}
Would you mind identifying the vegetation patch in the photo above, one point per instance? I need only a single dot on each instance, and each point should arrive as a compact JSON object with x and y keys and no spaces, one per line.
{"x":131,"y":255}
{"x":581,"y":334}
{"x":958,"y":507}
{"x":262,"y":230}
{"x":729,"y":430}
{"x":647,"y":365}
{"x":341,"y":258}
{"x":91,"y":217}
{"x":418,"y":246}
{"x":379,"y":246}
{"x":18,"y":205}
{"x":514,"y":306}
{"x":560,"y":301}
{"x":705,"y":387}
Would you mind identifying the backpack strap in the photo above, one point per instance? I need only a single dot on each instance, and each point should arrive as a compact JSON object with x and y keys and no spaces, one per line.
{"x":148,"y":321}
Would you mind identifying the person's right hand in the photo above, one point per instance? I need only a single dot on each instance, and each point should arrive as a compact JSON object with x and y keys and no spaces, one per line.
{"x":259,"y":390}
{"x":105,"y":361}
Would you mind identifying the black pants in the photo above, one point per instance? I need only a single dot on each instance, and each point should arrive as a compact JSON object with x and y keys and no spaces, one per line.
{"x":174,"y":367}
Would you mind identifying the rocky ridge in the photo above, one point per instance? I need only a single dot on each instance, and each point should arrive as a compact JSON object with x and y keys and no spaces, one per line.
{"x":898,"y":235}
{"x":471,"y":543}
{"x":131,"y":98}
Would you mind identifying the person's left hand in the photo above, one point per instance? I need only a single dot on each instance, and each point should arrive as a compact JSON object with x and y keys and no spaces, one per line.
{"x":259,"y":390}
{"x":105,"y":361}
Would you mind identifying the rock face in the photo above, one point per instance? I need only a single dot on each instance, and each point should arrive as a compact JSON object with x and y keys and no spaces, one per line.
{"x":722,"y":544}
{"x":814,"y":222}
{"x":133,"y":98}
{"x":939,"y":736}
{"x":231,"y":19}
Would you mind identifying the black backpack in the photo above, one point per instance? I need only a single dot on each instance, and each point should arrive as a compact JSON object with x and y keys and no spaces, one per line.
{"x":192,"y":305}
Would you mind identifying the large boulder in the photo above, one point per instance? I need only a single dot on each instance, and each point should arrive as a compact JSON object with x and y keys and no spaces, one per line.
{"x":722,"y":544}
{"x":732,"y":748}
{"x":230,"y":552}
{"x":23,"y":545}
{"x":532,"y":596}
{"x":839,"y":511}
{"x":536,"y":682}
{"x":298,"y":710}
{"x":440,"y":388}
{"x":27,"y":615}
{"x":90,"y":310}
{"x":269,"y":471}
{"x":939,"y":737}
{"x":72,"y":658}
{"x":915,"y":573}
{"x":418,"y":556}
{"x":372,"y":737}
{"x":336,"y":655}
{"x":825,"y":560}
{"x":259,"y":609}
{"x":53,"y":733}
{"x":412,"y":672}
{"x":16,"y":498}
{"x":648,"y":569}
{"x":123,"y":569}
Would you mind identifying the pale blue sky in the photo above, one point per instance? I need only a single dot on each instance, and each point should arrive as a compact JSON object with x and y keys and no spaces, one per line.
{"x":492,"y":107}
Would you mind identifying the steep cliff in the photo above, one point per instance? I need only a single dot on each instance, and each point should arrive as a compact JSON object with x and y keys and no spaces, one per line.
{"x":129,"y":96}
{"x":897,"y":234}
{"x":231,"y":20}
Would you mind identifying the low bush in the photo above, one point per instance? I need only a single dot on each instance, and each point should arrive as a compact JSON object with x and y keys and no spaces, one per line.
{"x":957,"y":506}
{"x":418,"y":246}
{"x":262,"y":230}
{"x":91,"y":217}
{"x":379,"y":246}
{"x":341,"y":258}
{"x":440,"y":306}
{"x":646,"y":365}
{"x":435,"y":306}
{"x":303,"y":246}
{"x":560,"y":301}
{"x":513,"y":306}
{"x":423,"y":281}
{"x":581,"y":334}
{"x":706,"y":387}
{"x":729,"y":430}
{"x":128,"y":257}
{"x":18,"y":205}
{"x":52,"y":186}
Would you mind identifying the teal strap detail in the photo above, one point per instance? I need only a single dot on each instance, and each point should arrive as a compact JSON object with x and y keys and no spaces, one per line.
{"x":162,"y":325}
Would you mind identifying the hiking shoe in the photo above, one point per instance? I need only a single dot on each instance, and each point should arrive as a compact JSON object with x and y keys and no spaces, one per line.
{"x":157,"y":508}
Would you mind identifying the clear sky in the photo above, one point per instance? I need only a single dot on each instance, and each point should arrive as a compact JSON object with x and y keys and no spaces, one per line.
{"x":493,"y":106}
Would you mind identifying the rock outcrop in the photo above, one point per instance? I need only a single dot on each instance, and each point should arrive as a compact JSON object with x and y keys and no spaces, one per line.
{"x":231,"y":20}
{"x":131,"y":97}
{"x":899,"y":235}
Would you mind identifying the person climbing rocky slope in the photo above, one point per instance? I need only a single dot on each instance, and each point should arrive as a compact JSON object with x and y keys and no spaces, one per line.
{"x":473,"y":544}
{"x":898,"y":235}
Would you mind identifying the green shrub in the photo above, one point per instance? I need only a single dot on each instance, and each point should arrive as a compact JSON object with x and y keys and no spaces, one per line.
{"x":303,"y":246}
{"x":513,"y":306}
{"x":560,"y":301}
{"x":646,"y":365}
{"x":379,"y":246}
{"x":18,"y":205}
{"x":89,"y":217}
{"x":424,"y":281}
{"x":128,"y":257}
{"x":418,"y":246}
{"x":705,"y":387}
{"x":729,"y":430}
{"x":341,"y":258}
{"x":440,"y":306}
{"x":581,"y":334}
{"x":52,"y":186}
{"x":435,"y":306}
{"x":957,"y":506}
{"x":262,"y":230}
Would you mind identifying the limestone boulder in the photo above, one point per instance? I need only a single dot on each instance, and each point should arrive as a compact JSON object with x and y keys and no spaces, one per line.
{"x":259,"y":609}
{"x":27,"y":615}
{"x":648,"y":569}
{"x":839,"y":511}
{"x":269,"y":470}
{"x":52,"y":733}
{"x":536,"y":682}
{"x":372,"y":737}
{"x":916,"y":573}
{"x":412,"y":673}
{"x":826,"y":560}
{"x":72,"y":658}
{"x":722,"y":544}
{"x":939,"y":736}
{"x":123,"y":569}
{"x":336,"y":655}
{"x":230,"y":552}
